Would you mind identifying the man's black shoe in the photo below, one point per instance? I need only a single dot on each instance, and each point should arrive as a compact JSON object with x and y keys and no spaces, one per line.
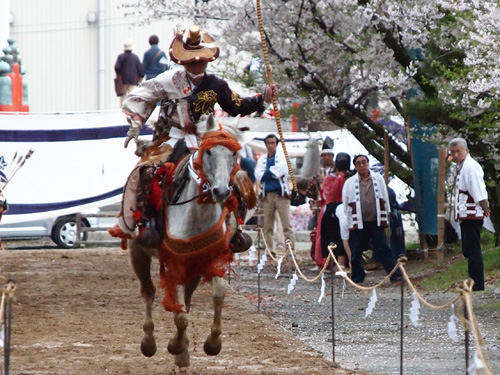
{"x":397,"y":280}
{"x":477,"y":288}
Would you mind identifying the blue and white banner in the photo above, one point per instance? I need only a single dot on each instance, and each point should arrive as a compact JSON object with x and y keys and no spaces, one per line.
{"x":78,"y":162}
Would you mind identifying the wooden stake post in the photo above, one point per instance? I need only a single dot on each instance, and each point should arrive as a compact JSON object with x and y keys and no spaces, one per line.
{"x":441,"y":202}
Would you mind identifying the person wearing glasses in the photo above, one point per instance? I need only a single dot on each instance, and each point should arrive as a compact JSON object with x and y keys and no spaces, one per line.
{"x":366,"y":204}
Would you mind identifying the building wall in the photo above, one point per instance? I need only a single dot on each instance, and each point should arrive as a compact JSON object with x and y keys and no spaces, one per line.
{"x":59,"y":50}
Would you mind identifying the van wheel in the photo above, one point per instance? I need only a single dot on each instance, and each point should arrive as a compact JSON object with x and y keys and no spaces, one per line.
{"x":64,"y":232}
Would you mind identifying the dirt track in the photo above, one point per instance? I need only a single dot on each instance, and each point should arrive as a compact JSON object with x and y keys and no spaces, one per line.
{"x":79,"y":312}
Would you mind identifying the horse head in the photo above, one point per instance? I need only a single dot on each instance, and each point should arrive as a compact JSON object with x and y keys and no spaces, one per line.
{"x":216,"y":161}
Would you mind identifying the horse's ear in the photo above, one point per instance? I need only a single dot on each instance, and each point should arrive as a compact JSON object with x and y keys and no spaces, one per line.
{"x":211,"y":123}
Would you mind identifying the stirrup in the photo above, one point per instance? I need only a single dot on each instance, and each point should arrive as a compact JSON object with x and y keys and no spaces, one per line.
{"x":240,"y":242}
{"x":149,"y":237}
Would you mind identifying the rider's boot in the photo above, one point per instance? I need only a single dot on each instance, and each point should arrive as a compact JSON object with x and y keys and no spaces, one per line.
{"x":148,"y":222}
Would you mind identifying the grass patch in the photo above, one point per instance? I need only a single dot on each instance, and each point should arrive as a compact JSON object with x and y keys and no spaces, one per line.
{"x":453,"y":270}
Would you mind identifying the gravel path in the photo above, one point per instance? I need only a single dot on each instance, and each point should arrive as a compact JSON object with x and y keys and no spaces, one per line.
{"x":371,"y":344}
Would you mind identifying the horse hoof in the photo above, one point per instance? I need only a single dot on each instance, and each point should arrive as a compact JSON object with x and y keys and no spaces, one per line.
{"x":148,"y":346}
{"x":211,"y":348}
{"x":182,"y":360}
{"x":176,"y":348}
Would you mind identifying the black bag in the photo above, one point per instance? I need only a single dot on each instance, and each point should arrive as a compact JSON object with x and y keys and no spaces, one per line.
{"x":119,"y":87}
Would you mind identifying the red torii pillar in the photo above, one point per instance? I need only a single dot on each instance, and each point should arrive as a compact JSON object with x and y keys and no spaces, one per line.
{"x":17,"y":91}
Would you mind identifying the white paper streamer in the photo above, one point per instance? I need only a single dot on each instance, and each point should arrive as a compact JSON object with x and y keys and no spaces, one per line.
{"x":323,"y":285}
{"x":293,"y":281}
{"x":344,"y":275}
{"x":278,"y":268}
{"x":262,"y":262}
{"x":371,"y":304}
{"x":414,"y":310}
{"x":251,"y":255}
{"x":476,"y":364}
{"x":452,"y":327}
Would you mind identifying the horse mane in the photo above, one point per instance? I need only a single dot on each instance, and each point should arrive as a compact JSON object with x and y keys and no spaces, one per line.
{"x":228,"y":124}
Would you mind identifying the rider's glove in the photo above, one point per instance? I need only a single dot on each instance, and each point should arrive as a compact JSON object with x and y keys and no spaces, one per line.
{"x":133,"y":132}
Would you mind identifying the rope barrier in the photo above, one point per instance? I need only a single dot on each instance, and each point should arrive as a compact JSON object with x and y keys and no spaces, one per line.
{"x":7,"y":293}
{"x":297,"y":267}
{"x":6,"y":320}
{"x":471,"y":322}
{"x":464,"y":295}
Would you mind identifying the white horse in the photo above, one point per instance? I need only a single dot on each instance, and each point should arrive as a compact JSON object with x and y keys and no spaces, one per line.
{"x":195,"y":245}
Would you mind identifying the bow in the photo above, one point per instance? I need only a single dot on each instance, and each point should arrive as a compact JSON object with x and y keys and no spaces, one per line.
{"x":275,"y":103}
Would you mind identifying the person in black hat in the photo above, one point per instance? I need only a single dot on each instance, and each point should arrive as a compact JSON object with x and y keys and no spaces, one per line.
{"x":327,"y":156}
{"x":328,"y":167}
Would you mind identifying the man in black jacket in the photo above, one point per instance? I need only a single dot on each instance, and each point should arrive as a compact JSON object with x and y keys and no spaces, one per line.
{"x":130,"y":68}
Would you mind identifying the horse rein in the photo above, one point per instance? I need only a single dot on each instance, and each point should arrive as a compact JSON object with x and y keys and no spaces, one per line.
{"x":170,"y":203}
{"x":193,"y":175}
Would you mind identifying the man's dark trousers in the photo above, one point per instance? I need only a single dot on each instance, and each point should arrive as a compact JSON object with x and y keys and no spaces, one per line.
{"x":360,"y":239}
{"x":471,"y":248}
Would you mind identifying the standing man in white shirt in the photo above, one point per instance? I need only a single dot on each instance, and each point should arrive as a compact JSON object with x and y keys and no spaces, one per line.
{"x":471,"y":206}
{"x":272,"y":173}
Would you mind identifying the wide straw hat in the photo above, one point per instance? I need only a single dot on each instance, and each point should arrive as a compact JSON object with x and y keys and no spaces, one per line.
{"x":193,"y":45}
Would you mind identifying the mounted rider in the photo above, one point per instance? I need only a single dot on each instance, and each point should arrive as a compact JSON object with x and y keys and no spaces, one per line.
{"x":185,"y":94}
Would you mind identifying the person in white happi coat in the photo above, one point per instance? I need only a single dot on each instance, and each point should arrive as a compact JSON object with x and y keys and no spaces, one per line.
{"x":272,"y":173}
{"x":366,"y":205}
{"x":471,"y":207}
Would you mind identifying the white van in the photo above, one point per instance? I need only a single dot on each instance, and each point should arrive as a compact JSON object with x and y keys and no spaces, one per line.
{"x":62,"y":230}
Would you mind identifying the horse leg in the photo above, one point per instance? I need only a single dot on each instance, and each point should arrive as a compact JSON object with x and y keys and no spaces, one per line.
{"x":179,"y":344}
{"x":213,"y":343}
{"x":141,"y":263}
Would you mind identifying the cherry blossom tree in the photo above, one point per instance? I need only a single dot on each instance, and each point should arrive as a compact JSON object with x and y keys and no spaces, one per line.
{"x":343,"y":59}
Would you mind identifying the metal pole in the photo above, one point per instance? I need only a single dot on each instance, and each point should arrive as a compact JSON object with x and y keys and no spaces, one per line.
{"x":229,"y":274}
{"x":333,"y":313}
{"x":466,"y":316}
{"x":289,"y":256}
{"x":78,"y":229}
{"x":258,"y":273}
{"x":8,"y":330}
{"x":402,"y":327}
